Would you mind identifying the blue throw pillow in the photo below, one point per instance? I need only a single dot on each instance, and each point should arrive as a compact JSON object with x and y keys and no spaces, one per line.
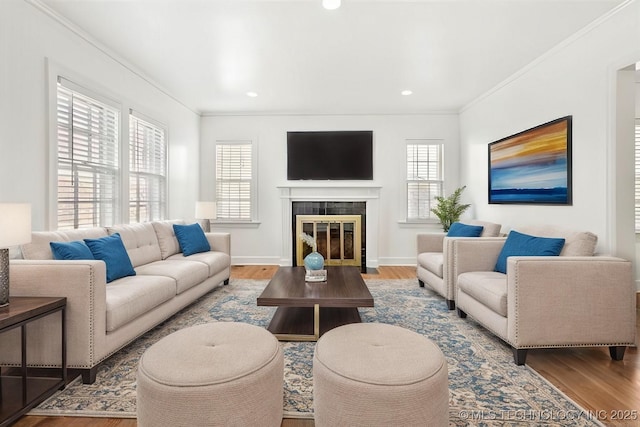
{"x":111,"y":250}
{"x":519,"y":244}
{"x":70,"y":250}
{"x":458,"y":229}
{"x":191,"y":239}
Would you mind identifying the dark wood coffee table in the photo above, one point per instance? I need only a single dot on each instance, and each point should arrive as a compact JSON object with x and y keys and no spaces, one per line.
{"x":306,"y":310}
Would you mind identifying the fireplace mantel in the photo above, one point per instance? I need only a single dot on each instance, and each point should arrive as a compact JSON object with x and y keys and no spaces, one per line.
{"x":331,"y":191}
{"x":324,"y":190}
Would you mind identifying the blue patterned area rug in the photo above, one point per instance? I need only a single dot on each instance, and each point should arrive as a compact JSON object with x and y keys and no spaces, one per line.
{"x":486,"y":388}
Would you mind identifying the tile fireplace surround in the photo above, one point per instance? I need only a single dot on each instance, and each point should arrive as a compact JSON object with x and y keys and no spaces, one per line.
{"x":342,"y":196}
{"x":337,"y":215}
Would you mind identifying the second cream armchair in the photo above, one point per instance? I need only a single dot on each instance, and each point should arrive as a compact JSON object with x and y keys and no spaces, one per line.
{"x":434,"y":259}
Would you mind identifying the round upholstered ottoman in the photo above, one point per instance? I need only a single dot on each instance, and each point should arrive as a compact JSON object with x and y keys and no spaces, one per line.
{"x":217,"y":374}
{"x":373,"y":374}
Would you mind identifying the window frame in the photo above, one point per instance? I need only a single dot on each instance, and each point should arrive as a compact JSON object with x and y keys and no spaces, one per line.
{"x":54,"y":70}
{"x":164,"y":202}
{"x":82,"y":91}
{"x":441,"y":181}
{"x":253,"y":186}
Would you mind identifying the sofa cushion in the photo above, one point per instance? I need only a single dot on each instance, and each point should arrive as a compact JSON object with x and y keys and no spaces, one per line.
{"x":186,"y":273}
{"x":111,"y":250}
{"x":140,"y":241}
{"x":486,"y":287}
{"x":432,"y":261}
{"x":459,"y":229}
{"x":40,"y":248}
{"x":133,"y":296}
{"x":489,"y":229}
{"x":191,"y":239}
{"x":76,"y":250}
{"x":520,"y":244}
{"x":216,"y":261}
{"x":576,"y":243}
{"x":167,"y":237}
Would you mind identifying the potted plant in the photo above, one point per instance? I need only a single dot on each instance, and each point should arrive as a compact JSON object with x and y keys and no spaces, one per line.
{"x":449,"y":209}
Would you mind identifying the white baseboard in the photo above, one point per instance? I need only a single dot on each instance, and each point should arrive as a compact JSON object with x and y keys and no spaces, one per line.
{"x":269,"y":260}
{"x":274,"y":260}
{"x":398,"y":261}
{"x":257,"y":260}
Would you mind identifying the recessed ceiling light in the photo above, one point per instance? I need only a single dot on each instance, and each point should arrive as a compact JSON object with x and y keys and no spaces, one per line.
{"x":406,"y":92}
{"x":252,"y":94}
{"x":331,"y":4}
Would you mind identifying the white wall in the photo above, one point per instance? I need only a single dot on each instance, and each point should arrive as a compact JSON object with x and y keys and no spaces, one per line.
{"x":637,"y":116}
{"x":578,"y":78}
{"x":27,"y":37}
{"x":396,"y":241}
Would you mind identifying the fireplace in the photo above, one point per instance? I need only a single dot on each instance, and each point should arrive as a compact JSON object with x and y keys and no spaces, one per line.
{"x":329,"y":198}
{"x":339,"y":229}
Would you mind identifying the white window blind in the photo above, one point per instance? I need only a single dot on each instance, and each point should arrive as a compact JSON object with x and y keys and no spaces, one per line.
{"x":424,"y":178}
{"x":637,"y":167}
{"x":234,"y":180}
{"x":147,"y":170}
{"x":87,"y":150}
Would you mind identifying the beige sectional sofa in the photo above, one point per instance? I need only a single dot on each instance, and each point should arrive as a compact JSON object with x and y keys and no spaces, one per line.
{"x":104,"y":317}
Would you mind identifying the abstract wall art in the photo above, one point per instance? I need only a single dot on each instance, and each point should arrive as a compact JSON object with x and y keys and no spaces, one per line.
{"x":532,"y":166}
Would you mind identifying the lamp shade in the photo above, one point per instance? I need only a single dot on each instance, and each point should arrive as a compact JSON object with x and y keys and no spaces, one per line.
{"x":206,"y":210}
{"x":15,"y":224}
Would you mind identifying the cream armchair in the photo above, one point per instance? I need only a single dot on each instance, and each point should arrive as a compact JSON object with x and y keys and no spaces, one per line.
{"x":433,"y":267}
{"x":572,"y":300}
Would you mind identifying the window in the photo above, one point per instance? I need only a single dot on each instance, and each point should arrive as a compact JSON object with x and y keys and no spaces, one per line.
{"x":424,"y":178}
{"x":637,"y":164}
{"x":147,"y":170}
{"x":87,"y":158}
{"x":235,"y":190}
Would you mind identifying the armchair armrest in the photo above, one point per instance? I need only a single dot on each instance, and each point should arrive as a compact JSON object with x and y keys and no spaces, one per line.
{"x":564,"y":301}
{"x":83,"y":283}
{"x":220,"y":242}
{"x":430,"y":242}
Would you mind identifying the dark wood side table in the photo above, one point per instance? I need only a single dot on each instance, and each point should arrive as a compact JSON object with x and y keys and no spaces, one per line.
{"x":21,"y":392}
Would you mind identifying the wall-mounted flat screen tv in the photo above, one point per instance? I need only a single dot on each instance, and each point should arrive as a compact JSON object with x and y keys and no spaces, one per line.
{"x":330,"y":155}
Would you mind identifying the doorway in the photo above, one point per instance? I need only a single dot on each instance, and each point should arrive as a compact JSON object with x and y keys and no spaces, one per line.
{"x":623,"y":166}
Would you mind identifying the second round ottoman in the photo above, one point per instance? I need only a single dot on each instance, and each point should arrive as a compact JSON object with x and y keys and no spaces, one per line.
{"x":374,"y":374}
{"x":216,"y":374}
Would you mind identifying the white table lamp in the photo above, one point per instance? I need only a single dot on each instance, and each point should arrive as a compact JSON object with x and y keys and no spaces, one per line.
{"x":206,"y":211}
{"x":15,"y":229}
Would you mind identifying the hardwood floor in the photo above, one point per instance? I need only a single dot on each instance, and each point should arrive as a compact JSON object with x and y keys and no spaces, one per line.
{"x":607,"y":388}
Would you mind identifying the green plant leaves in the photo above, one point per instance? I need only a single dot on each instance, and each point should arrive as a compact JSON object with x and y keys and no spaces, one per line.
{"x":449,"y":209}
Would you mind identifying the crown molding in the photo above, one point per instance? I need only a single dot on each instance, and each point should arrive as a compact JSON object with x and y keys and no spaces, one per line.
{"x":551,"y":52}
{"x":328,"y":114}
{"x":37,"y":4}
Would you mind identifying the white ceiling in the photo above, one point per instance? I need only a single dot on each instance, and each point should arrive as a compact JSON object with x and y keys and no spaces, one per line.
{"x":301,"y":58}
